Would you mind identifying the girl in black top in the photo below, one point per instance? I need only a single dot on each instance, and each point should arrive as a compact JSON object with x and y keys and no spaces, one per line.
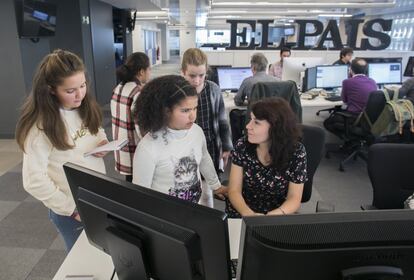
{"x":269,"y":164}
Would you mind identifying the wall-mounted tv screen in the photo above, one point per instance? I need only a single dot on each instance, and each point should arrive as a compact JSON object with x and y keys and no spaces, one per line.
{"x":36,"y":18}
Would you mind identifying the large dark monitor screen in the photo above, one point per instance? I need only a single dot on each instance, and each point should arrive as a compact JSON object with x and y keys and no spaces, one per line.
{"x":231,"y":78}
{"x":331,"y":76}
{"x":36,"y":18}
{"x":385,"y":73}
{"x":334,"y":246}
{"x":409,"y":69}
{"x":156,"y":235}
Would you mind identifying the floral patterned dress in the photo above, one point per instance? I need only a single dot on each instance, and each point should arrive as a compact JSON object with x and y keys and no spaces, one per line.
{"x":264,"y":187}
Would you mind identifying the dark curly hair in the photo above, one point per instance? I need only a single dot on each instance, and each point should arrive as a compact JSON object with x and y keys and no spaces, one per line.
{"x":284,"y":132}
{"x":135,"y":62}
{"x":157,"y":98}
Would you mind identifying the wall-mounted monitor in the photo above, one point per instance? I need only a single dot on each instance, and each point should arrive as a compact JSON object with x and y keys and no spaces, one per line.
{"x":230,"y":78}
{"x":385,"y":73}
{"x":36,"y":18}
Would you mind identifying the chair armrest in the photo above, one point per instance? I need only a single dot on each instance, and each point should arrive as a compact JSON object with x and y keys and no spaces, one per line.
{"x":368,"y":207}
{"x":344,"y":114}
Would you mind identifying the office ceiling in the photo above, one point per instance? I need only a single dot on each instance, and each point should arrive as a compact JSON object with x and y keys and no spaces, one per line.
{"x":214,"y":13}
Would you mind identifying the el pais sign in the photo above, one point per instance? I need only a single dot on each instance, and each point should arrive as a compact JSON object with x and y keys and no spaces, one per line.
{"x":329,"y":32}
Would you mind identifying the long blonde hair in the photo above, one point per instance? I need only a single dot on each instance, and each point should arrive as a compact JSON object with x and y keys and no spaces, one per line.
{"x":41,"y":107}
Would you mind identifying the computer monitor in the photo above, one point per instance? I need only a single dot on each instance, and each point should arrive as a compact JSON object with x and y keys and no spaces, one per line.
{"x":381,"y":59}
{"x":212,"y":72}
{"x":230,"y":78}
{"x":385,"y":73}
{"x":309,"y":81}
{"x":331,"y":76}
{"x":409,"y":69}
{"x":334,"y":246}
{"x":148,"y":233}
{"x":294,"y":66}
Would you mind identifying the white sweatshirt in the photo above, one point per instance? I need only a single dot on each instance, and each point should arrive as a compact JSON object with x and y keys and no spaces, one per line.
{"x":43,"y":175}
{"x":172,"y":162}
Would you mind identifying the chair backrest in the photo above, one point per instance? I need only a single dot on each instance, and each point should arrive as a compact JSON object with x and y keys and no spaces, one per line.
{"x":390,"y":168}
{"x":284,"y":89}
{"x":313,"y":139}
{"x":237,"y":124}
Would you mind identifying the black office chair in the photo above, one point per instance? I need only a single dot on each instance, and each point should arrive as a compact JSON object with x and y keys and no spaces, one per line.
{"x":284,"y":89}
{"x":390,"y":168}
{"x":313,"y":138}
{"x":329,"y":110}
{"x":355,"y":131}
{"x":237,"y":124}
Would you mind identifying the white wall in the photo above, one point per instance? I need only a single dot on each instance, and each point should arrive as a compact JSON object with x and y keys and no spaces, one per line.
{"x":187,"y":39}
{"x":138,"y":42}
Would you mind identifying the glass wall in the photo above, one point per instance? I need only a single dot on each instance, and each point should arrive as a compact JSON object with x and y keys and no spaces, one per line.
{"x":402,"y":33}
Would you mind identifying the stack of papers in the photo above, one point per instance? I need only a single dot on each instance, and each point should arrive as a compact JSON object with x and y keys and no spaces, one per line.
{"x":111,"y":146}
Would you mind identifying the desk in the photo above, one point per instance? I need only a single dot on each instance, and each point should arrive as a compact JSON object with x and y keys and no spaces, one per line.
{"x":85,"y":259}
{"x":318,"y":101}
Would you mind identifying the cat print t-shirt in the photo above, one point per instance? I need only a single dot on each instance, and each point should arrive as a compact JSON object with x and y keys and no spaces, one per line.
{"x":170,"y":161}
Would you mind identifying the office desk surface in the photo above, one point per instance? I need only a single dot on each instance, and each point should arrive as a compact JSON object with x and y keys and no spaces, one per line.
{"x":85,"y":259}
{"x":318,"y":101}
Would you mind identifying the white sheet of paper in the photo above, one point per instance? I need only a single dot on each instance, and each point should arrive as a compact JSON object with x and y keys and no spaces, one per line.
{"x":111,"y":146}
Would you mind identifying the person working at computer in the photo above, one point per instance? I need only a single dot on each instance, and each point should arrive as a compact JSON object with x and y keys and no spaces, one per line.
{"x":133,"y":75}
{"x":211,"y":113}
{"x":277,"y":67}
{"x":173,"y":152}
{"x":60,"y":121}
{"x":355,"y":93}
{"x":258,"y":64}
{"x":268,"y":168}
{"x":345,"y":57}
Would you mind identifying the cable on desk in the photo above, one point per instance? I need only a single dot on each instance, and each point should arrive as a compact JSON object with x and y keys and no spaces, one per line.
{"x":113,"y":274}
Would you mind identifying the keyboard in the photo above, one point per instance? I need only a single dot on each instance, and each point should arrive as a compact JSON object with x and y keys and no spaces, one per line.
{"x":233,"y":267}
{"x":333,"y":98}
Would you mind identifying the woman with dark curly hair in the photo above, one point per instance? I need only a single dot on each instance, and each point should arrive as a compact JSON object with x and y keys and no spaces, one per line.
{"x":173,"y":152}
{"x":269,"y":165}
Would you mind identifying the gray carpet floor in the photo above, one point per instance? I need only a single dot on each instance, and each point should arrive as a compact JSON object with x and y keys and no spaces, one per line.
{"x":30,"y":247}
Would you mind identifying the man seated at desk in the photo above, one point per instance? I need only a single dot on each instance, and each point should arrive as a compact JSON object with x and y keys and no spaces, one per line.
{"x":276,"y":68}
{"x":355,"y":93}
{"x":345,"y":57}
{"x":258,"y":64}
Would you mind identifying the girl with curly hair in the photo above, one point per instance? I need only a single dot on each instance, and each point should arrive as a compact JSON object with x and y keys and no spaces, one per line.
{"x":173,"y":152}
{"x":269,"y":164}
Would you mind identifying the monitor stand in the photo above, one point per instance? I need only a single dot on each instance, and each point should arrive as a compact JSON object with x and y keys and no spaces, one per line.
{"x":372,"y":273}
{"x":127,"y":254}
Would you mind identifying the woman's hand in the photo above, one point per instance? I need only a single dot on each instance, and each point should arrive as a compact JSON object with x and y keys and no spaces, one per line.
{"x":101,"y":154}
{"x":77,"y":217}
{"x":221,"y":192}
